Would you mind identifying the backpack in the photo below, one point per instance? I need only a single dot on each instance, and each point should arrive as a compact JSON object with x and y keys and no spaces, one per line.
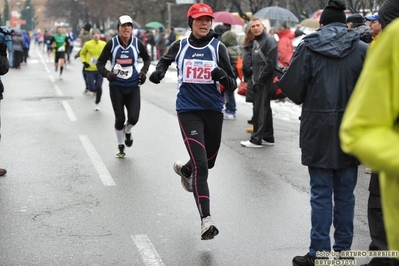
{"x":238,"y":69}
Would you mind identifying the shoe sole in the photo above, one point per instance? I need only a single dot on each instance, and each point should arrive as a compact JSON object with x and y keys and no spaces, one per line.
{"x":183,"y":183}
{"x":267,"y":143}
{"x":210,"y":233}
{"x":257,"y":146}
{"x":183,"y":178}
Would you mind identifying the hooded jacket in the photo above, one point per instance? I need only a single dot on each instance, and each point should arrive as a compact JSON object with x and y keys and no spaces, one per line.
{"x":285,"y":47}
{"x":365,"y":34}
{"x":230,"y":41}
{"x":321,"y":76}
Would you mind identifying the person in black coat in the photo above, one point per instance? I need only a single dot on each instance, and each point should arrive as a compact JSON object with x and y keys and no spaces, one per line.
{"x":264,"y":61}
{"x":321,"y":76}
{"x":247,"y":70}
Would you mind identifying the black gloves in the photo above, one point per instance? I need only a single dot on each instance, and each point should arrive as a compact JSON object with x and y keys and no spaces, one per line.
{"x":157,"y":76}
{"x":218,"y":74}
{"x":111,"y":76}
{"x":142,"y":76}
{"x":86,"y":64}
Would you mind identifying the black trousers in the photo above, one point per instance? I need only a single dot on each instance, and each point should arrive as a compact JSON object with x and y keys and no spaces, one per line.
{"x":262,"y":116}
{"x":202,"y":134}
{"x":376,"y":223}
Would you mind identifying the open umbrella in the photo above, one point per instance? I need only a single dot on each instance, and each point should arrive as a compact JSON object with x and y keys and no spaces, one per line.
{"x":276,"y":13}
{"x":310,"y":23}
{"x":136,"y":25}
{"x":154,"y":25}
{"x":227,"y":18}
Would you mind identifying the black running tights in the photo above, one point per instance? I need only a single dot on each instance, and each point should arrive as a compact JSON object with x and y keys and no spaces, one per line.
{"x":201,"y":132}
{"x":129,"y":97}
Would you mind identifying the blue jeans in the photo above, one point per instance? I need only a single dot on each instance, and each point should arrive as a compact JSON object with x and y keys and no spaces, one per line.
{"x":230,"y":102}
{"x":95,"y":82}
{"x":11,"y":59}
{"x":332,"y":202}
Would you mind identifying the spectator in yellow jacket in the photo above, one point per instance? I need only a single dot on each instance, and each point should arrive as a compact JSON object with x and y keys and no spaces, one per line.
{"x":370,"y":127}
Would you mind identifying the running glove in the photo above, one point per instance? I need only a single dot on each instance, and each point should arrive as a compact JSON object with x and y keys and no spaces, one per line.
{"x":86,"y":64}
{"x":218,"y":74}
{"x":142,"y":76}
{"x":157,"y":76}
{"x":111,"y":76}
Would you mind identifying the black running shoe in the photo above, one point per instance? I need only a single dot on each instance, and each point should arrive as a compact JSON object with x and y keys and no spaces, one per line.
{"x":306,"y":260}
{"x":128,"y":139}
{"x":121,"y":151}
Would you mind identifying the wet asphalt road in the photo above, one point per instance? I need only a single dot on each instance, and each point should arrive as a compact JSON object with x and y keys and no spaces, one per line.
{"x":66,"y":199}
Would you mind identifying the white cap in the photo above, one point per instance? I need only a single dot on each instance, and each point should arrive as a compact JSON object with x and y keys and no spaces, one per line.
{"x":125,"y":19}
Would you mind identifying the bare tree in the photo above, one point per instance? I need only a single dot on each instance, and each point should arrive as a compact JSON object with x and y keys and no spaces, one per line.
{"x":99,"y":11}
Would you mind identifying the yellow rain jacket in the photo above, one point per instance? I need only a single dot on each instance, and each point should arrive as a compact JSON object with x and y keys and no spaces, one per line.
{"x":90,"y":52}
{"x":370,"y":127}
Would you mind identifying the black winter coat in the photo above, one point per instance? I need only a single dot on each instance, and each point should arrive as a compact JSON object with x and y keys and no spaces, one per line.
{"x":321,"y":76}
{"x":262,"y":71}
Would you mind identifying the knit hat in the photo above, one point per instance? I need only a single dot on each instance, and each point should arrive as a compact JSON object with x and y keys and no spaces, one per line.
{"x":388,"y":12}
{"x":87,"y":27}
{"x":333,"y":12}
{"x":355,"y":19}
{"x":96,"y":31}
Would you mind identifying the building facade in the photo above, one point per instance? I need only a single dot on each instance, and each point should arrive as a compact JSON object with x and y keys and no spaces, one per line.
{"x":40,"y":21}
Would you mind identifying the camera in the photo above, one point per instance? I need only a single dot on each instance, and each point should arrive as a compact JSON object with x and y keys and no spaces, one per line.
{"x":5,"y":37}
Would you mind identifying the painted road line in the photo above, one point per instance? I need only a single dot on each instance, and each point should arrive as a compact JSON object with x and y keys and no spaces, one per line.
{"x":102,"y":171}
{"x":147,"y":251}
{"x":68,"y":110}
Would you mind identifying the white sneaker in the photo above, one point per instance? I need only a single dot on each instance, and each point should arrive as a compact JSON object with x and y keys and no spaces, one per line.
{"x":208,"y":229}
{"x":264,"y":142}
{"x":96,"y":108}
{"x":228,"y":116}
{"x":249,"y":144}
{"x":186,"y":182}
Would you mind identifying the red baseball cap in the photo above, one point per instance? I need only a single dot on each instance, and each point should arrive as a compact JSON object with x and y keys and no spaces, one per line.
{"x":199,"y":10}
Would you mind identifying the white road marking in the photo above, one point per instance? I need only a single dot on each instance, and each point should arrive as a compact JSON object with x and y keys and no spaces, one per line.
{"x":58,"y":92}
{"x":102,"y":170}
{"x":147,"y":251}
{"x":68,"y":110}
